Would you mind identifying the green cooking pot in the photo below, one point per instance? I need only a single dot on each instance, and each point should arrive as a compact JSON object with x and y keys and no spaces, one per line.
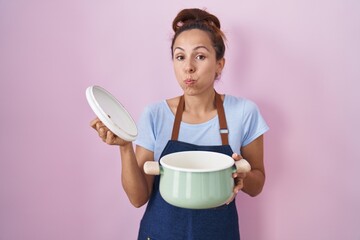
{"x":196,"y":179}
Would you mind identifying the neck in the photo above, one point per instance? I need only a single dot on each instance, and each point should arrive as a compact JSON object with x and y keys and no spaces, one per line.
{"x":200,"y":103}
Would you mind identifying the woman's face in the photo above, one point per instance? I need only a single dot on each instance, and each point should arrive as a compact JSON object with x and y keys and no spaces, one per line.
{"x":195,"y":64}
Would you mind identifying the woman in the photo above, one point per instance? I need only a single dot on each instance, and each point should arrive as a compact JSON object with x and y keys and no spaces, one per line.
{"x":198,"y":58}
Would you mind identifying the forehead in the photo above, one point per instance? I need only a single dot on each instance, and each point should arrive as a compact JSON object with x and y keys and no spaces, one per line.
{"x":193,"y":38}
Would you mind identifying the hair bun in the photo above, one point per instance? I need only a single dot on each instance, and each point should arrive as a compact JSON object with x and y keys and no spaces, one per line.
{"x":192,"y":15}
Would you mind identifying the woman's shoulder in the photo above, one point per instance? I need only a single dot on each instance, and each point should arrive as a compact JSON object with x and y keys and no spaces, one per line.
{"x":161,"y":107}
{"x":235,"y":102}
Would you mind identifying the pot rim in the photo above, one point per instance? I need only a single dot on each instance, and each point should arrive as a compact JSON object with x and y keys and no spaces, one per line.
{"x":217,"y":161}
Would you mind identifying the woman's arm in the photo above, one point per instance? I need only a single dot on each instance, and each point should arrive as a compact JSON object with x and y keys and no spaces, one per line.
{"x":136,"y":183}
{"x":253,"y":181}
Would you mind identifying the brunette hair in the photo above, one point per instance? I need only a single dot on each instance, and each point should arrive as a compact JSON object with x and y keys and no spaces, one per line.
{"x":194,"y":18}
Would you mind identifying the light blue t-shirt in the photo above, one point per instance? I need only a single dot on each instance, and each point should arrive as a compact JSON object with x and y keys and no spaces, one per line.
{"x":243,"y":118}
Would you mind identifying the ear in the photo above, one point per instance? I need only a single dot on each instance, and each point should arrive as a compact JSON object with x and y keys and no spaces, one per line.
{"x":220,"y":65}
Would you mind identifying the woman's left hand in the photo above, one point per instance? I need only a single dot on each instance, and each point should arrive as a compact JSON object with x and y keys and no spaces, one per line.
{"x":238,"y":178}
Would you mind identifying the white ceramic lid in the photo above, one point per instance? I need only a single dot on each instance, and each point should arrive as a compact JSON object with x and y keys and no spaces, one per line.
{"x":111,"y":112}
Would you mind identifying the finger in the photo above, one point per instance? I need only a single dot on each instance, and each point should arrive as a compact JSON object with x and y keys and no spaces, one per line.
{"x":110,"y":137}
{"x":99,"y":125}
{"x":241,"y":175}
{"x":239,"y":184}
{"x":103,"y":132}
{"x":93,"y":122}
{"x":236,"y":157}
{"x":231,"y":198}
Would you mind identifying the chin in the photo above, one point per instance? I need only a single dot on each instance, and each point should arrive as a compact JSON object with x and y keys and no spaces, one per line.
{"x":190,"y":91}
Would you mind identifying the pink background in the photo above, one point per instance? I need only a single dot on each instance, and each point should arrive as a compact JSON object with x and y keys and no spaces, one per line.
{"x":298,"y":60}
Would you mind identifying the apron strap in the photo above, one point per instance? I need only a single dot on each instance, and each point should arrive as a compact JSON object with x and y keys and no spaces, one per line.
{"x":178,"y":116}
{"x":224,"y":132}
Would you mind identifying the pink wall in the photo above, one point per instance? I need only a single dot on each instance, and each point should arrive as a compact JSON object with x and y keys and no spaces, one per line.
{"x":299,"y":60}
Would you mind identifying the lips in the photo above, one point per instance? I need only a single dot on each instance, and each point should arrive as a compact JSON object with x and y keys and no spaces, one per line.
{"x":189,"y":81}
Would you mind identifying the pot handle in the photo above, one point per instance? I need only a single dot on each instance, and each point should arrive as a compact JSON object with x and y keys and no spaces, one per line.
{"x":152,"y":168}
{"x":242,"y":166}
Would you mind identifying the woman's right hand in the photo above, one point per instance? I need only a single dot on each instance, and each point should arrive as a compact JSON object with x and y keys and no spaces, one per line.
{"x":106,"y":135}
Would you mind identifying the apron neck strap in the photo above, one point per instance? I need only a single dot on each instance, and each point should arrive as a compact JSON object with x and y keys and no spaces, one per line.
{"x":224,"y":132}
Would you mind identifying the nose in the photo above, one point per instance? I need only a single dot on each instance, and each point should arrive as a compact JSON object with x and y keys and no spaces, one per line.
{"x":190,"y":67}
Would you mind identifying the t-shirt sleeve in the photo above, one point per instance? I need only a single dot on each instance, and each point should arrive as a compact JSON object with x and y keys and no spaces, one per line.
{"x":146,"y":135}
{"x":254,"y":123}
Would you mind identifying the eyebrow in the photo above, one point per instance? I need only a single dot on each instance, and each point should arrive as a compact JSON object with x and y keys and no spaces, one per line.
{"x":196,"y":48}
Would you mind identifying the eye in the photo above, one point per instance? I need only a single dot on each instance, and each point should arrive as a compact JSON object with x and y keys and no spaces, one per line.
{"x":200,"y":57}
{"x":179,"y":57}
